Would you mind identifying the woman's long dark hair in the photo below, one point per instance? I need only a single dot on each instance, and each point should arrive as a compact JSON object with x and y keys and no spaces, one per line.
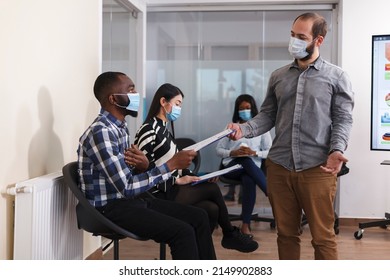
{"x":168,"y":91}
{"x":244,"y":97}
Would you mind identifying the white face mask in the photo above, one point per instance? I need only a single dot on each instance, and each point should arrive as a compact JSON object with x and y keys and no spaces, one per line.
{"x":297,"y":48}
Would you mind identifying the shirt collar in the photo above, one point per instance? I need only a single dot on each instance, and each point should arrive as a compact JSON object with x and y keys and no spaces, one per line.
{"x":316,"y":64}
{"x":111,"y":118}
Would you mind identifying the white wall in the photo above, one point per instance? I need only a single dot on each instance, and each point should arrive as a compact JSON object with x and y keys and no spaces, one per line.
{"x":365,"y":192}
{"x":49,"y":59}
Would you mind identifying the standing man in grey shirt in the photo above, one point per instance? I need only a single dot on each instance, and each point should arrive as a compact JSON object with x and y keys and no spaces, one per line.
{"x":309,"y":102}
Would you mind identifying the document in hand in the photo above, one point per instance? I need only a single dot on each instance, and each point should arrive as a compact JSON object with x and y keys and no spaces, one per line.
{"x":217,"y":173}
{"x":209,"y":140}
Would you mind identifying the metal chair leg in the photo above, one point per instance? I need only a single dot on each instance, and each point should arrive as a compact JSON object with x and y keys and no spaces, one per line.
{"x":116,"y":249}
{"x":162,"y":251}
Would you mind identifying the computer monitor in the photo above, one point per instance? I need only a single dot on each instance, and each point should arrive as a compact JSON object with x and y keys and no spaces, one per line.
{"x":380,"y":93}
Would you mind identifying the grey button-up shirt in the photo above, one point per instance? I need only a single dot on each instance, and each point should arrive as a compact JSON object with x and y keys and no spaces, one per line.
{"x":311,"y":111}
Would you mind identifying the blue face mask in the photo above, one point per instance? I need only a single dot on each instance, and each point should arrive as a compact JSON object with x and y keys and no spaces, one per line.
{"x":299,"y":48}
{"x":134,"y":101}
{"x":174,"y":114}
{"x":245,"y":115}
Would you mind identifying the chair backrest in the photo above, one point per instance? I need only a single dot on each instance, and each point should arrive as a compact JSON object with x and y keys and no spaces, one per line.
{"x":344,"y":170}
{"x":185,"y":142}
{"x":225,"y":180}
{"x":88,"y":217}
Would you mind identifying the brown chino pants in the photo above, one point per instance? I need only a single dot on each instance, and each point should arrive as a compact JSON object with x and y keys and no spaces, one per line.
{"x":311,"y":191}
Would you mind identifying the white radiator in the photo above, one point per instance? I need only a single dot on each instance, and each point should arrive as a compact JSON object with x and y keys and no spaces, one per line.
{"x":45,"y":220}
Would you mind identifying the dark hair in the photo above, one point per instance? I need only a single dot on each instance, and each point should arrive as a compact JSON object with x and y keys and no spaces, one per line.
{"x":320,"y":27}
{"x":167,"y":91}
{"x":247,"y":98}
{"x":104,"y":83}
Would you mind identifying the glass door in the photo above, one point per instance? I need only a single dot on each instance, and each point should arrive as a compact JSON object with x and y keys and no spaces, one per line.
{"x":123,"y":45}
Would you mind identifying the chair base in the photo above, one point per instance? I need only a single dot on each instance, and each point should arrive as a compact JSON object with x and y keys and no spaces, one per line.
{"x":115,"y":243}
{"x":381,"y":223}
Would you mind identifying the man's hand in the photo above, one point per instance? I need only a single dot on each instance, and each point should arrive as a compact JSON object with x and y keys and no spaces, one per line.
{"x":136,"y":159}
{"x":334,"y":163}
{"x":237,"y":133}
{"x":181,"y":159}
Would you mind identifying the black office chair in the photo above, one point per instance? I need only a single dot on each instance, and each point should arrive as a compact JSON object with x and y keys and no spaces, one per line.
{"x":91,"y":220}
{"x":236,"y":217}
{"x":182,"y":143}
{"x":381,"y":223}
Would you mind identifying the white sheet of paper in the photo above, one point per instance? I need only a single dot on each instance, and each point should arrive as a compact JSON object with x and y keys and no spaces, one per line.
{"x":217,"y":173}
{"x":209,"y":140}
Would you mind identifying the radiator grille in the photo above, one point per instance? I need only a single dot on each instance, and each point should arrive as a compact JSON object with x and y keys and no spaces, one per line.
{"x":45,"y":220}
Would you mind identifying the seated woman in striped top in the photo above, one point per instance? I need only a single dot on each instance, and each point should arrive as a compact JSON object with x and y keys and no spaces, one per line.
{"x":158,"y":143}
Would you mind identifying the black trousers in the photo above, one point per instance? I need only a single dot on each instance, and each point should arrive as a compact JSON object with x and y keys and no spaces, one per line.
{"x":184,"y":228}
{"x":207,"y":196}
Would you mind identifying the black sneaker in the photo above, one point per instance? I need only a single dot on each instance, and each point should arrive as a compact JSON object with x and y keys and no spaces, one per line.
{"x":236,"y":240}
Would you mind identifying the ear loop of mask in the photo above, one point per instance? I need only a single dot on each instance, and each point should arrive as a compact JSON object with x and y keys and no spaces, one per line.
{"x":133,"y":102}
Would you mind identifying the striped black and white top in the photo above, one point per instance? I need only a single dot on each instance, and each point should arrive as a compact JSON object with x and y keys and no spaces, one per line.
{"x":158,"y":144}
{"x":156,"y":141}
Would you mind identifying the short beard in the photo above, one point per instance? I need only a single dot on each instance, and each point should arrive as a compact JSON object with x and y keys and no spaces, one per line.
{"x":310,"y":51}
{"x":133,"y":114}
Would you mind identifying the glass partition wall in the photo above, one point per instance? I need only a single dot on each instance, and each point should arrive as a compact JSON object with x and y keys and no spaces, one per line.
{"x":214,"y":56}
{"x":119,"y":49}
{"x":122,"y":45}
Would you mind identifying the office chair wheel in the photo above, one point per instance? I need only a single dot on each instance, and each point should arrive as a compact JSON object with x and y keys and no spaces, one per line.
{"x":358,"y":234}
